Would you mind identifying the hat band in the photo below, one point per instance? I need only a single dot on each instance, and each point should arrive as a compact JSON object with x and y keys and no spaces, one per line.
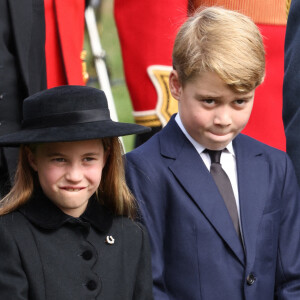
{"x":65,"y":119}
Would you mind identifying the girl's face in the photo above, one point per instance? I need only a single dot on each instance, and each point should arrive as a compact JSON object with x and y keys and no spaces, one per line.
{"x":69,"y":172}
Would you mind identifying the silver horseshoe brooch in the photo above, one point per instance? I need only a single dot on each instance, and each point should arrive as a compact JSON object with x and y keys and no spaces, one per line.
{"x":110,"y":240}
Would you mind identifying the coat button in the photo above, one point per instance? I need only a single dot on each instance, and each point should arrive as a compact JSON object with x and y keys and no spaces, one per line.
{"x":251,"y":279}
{"x":91,"y":285}
{"x":87,"y":255}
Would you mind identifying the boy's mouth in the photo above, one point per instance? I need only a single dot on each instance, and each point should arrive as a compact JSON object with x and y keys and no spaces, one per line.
{"x":220,"y":133}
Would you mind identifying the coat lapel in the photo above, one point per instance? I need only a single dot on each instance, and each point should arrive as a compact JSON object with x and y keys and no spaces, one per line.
{"x":253,"y":179}
{"x":190,"y":171}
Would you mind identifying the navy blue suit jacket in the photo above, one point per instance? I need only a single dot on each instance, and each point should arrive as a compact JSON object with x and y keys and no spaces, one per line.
{"x":196,"y":253}
{"x":291,"y":86}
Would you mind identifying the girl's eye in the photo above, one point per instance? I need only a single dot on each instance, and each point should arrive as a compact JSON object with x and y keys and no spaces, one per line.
{"x":59,"y":159}
{"x":89,"y":158}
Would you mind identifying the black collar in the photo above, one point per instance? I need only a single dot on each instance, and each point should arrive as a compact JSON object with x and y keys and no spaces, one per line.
{"x":43,"y":213}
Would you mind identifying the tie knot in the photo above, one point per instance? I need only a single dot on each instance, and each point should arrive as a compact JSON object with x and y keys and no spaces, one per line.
{"x":215,"y":155}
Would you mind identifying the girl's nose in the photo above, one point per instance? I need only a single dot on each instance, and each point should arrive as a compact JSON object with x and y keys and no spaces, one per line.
{"x":74,"y":173}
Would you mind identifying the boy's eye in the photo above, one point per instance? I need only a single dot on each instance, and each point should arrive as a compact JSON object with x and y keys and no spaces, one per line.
{"x":240,"y":101}
{"x":208,"y":101}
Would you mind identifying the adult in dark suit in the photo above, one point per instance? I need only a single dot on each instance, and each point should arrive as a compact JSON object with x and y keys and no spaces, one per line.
{"x":22,"y":69}
{"x":291,"y":86}
{"x":197,"y":252}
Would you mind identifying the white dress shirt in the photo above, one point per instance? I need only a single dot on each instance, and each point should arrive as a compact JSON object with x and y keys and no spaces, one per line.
{"x":228,"y":162}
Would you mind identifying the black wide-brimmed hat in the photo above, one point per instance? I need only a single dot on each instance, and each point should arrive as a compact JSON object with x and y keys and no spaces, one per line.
{"x":67,"y":113}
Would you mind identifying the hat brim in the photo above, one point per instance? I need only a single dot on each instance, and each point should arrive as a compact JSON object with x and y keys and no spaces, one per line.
{"x":75,"y":132}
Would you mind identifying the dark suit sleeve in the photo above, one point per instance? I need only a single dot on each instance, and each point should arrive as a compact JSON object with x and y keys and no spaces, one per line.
{"x":142,"y":184}
{"x":291,"y":86}
{"x":13,"y":282}
{"x":143,"y":286}
{"x":288,"y":258}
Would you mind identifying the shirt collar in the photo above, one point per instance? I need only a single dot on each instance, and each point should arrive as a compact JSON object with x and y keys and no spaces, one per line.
{"x":198,"y":146}
{"x":44,"y":213}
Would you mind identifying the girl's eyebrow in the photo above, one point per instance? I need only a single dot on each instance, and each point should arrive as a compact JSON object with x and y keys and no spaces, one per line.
{"x":91,"y":154}
{"x":55,"y":154}
{"x":61,"y":154}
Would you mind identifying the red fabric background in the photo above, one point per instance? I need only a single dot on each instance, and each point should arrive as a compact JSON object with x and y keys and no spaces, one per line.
{"x":147,"y":30}
{"x":64,"y":41}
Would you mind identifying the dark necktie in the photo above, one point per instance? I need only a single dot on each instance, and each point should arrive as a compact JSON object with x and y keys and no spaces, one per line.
{"x":223,"y":183}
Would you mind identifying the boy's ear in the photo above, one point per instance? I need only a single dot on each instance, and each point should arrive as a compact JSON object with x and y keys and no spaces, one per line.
{"x":31,"y":159}
{"x":175,"y":85}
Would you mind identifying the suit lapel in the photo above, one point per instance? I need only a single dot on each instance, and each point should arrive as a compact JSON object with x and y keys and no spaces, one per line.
{"x":21,"y":16}
{"x":193,"y":175}
{"x":253,"y":178}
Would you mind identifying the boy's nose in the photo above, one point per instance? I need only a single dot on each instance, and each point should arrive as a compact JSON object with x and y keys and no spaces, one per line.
{"x":222,"y":117}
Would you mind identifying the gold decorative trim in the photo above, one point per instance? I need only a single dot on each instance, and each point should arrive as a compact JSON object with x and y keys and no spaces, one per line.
{"x":270,"y":12}
{"x":85,"y":74}
{"x":166,"y":105}
{"x":288,"y":6}
{"x":151,"y":120}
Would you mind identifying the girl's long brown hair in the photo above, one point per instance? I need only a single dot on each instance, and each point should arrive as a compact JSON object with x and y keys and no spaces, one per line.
{"x":112,"y":192}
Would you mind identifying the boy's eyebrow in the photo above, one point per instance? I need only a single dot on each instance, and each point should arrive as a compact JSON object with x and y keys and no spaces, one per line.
{"x":205,"y":96}
{"x":244,"y":96}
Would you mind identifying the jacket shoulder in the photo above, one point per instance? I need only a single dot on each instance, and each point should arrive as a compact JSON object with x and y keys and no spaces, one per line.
{"x":12,"y":220}
{"x":254,"y":145}
{"x":133,"y":234}
{"x":14,"y":225}
{"x":276,"y":159}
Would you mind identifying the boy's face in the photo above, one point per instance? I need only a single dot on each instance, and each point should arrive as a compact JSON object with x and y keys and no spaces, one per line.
{"x":69,"y":173}
{"x":210,"y":111}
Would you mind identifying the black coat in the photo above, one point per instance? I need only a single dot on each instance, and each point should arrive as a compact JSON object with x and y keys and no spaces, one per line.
{"x":22,"y":66}
{"x":46,"y":254}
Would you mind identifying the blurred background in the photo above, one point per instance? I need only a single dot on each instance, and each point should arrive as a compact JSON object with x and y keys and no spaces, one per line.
{"x":110,"y":44}
{"x":155,"y":26}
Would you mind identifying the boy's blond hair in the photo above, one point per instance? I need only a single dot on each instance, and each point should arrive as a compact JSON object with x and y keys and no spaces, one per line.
{"x":221,"y":41}
{"x":112,"y":192}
